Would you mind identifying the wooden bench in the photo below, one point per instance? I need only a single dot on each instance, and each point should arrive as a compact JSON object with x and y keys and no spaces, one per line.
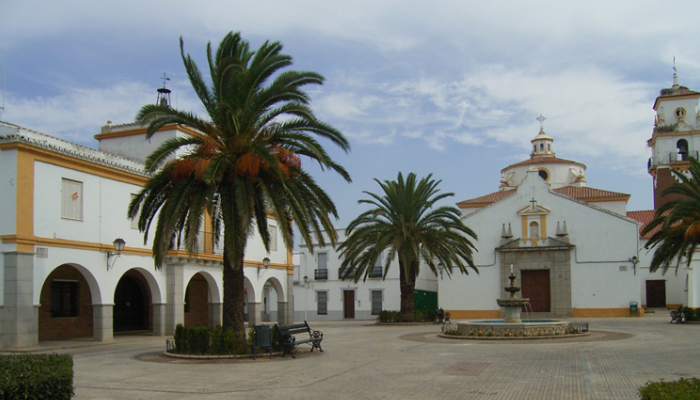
{"x":289,"y":341}
{"x":678,"y":316}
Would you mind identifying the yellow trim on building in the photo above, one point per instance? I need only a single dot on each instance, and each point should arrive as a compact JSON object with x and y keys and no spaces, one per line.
{"x":141,"y":130}
{"x":605,"y":312}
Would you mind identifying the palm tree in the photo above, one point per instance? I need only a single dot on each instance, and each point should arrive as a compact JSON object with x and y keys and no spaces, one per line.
{"x":244,"y":164}
{"x":404,"y":222}
{"x":676,"y":224}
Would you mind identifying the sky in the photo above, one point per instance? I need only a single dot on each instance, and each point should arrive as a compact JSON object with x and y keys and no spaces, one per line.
{"x":448,"y":88}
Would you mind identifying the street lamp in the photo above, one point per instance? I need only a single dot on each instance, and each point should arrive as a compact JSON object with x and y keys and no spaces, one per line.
{"x":118,"y":244}
{"x":265,"y":264}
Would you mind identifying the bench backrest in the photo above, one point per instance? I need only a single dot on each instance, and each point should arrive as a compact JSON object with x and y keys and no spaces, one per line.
{"x":293,"y":329}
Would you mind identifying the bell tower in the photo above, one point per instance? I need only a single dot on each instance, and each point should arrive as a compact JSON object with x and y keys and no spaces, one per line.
{"x":676,"y":135}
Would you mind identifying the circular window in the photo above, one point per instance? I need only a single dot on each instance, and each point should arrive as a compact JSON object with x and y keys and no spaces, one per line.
{"x":680,"y":112}
{"x":543,"y":174}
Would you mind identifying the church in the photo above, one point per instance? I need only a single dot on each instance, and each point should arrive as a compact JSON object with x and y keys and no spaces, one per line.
{"x":575,"y":250}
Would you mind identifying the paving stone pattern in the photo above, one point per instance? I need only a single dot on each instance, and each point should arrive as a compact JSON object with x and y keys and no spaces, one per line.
{"x":365,"y":361}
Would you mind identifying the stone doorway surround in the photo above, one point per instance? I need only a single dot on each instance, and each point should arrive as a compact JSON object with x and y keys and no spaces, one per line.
{"x":555,"y":256}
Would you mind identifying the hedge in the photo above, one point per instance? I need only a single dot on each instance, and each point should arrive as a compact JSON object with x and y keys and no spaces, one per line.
{"x":683,"y":389}
{"x":214,"y":341}
{"x":36,"y":376}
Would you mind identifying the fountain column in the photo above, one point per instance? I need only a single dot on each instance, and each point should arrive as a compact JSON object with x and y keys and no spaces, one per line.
{"x":512,"y":305}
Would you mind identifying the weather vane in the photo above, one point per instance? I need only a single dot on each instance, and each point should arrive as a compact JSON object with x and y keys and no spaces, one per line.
{"x":165,"y":78}
{"x":541,"y":118}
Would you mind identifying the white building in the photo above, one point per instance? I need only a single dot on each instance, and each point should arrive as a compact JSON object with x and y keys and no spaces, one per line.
{"x":63,"y":207}
{"x":320,"y":294}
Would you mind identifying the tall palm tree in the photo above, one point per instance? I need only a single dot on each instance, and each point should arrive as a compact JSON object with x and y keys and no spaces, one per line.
{"x":676,"y":224}
{"x":244,"y":164}
{"x":404,"y":221}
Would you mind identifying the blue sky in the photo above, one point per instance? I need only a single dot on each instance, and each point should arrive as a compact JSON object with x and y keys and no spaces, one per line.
{"x":451,"y":88}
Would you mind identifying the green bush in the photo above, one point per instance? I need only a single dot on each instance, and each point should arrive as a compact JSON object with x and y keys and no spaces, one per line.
{"x":692,"y":314}
{"x":36,"y":376}
{"x":212,"y":341}
{"x":683,"y":389}
{"x":398,"y":317}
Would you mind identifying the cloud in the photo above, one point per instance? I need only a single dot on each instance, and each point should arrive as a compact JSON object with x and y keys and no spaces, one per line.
{"x":78,"y":113}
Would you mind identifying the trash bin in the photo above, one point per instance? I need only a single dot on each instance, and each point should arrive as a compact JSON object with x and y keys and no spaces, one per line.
{"x":634,"y":308}
{"x":262,"y":337}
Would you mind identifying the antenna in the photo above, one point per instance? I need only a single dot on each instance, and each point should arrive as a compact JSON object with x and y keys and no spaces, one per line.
{"x":2,"y":107}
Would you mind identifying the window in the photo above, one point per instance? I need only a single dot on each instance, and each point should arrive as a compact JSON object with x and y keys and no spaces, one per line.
{"x":71,"y":200}
{"x":541,"y":147}
{"x":322,"y":303}
{"x":682,"y":146}
{"x":273,"y":237}
{"x":377,"y":269}
{"x":135,"y":220}
{"x":322,"y":270}
{"x":376,"y":301}
{"x":64,"y":299}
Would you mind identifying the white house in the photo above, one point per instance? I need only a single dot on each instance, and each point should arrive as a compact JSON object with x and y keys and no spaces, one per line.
{"x":320,"y":294}
{"x":63,"y":207}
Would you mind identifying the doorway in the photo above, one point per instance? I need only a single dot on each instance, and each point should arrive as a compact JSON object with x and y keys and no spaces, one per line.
{"x":536,"y":287}
{"x":656,"y":293}
{"x":349,"y":304}
{"x":130,"y":313}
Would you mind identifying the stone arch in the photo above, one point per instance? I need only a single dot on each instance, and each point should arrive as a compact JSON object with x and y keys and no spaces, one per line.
{"x":682,"y":146}
{"x":134,"y":295}
{"x":66,"y":302}
{"x":274,"y":302}
{"x":202,"y":302}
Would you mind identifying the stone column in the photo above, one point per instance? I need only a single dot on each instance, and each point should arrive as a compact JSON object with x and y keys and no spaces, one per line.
{"x":175,"y":306}
{"x":289,"y":311}
{"x":159,"y":310}
{"x":19,"y":319}
{"x":254,"y":314}
{"x":103,"y":322}
{"x":282,"y":313}
{"x":216,"y":316}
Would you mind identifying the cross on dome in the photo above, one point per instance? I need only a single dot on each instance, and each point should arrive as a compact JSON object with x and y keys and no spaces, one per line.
{"x":541,"y":118}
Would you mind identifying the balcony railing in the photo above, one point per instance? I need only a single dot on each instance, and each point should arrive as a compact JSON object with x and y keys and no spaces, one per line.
{"x":321,"y":274}
{"x":377,"y":272}
{"x":670,"y":158}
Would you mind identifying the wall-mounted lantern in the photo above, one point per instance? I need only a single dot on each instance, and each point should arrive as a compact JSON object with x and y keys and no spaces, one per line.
{"x":118,"y":244}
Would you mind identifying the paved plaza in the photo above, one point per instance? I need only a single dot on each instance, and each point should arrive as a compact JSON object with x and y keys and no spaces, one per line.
{"x":366,"y":361}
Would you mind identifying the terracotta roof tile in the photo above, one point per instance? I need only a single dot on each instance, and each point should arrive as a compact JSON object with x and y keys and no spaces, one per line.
{"x":644,"y":216}
{"x":588,"y":193}
{"x":487,"y":199}
{"x":681,"y":91}
{"x":578,"y":193}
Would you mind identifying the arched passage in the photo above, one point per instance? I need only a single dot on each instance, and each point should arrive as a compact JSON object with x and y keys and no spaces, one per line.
{"x":197,"y":299}
{"x":132,"y":303}
{"x":66,"y":303}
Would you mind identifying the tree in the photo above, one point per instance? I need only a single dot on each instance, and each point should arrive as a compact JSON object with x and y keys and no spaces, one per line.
{"x":404,"y":221}
{"x":676,"y":224}
{"x":244,"y":164}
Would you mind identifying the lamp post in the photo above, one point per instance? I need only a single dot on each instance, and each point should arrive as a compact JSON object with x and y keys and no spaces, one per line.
{"x":118,"y":244}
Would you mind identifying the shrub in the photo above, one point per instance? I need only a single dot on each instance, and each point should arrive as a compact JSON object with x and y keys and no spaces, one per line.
{"x":36,"y":376}
{"x":398,"y":317}
{"x":683,"y":389}
{"x":202,"y":340}
{"x":692,"y":314}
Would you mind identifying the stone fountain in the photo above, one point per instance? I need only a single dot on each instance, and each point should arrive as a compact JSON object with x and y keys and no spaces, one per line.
{"x":512,"y":326}
{"x":512,"y":305}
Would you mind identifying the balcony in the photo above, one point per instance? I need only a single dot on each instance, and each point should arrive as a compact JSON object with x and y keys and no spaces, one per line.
{"x":671,"y":158}
{"x":321,"y":274}
{"x":377,"y":272}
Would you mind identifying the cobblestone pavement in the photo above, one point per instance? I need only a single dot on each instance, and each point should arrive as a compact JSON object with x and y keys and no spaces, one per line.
{"x":365,"y":361}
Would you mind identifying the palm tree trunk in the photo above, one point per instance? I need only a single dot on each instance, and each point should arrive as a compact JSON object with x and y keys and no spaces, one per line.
{"x":407,"y":286}
{"x":234,"y":297}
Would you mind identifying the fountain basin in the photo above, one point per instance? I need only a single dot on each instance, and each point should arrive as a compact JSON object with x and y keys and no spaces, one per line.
{"x":526,"y":328}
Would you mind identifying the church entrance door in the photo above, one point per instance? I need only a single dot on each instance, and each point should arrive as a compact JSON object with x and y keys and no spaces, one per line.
{"x":535,"y":286}
{"x":656,"y":293}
